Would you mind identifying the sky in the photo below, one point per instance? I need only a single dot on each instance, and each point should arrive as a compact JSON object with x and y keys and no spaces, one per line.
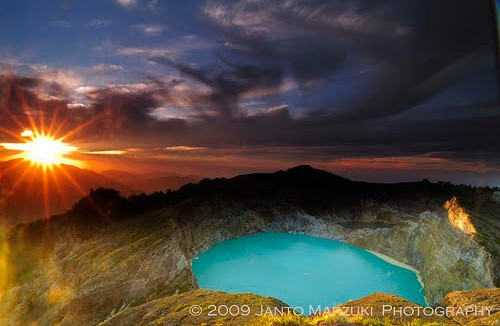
{"x":376,"y":90}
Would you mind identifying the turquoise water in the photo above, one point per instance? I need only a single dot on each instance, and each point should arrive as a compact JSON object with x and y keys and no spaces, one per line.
{"x":301,"y":270}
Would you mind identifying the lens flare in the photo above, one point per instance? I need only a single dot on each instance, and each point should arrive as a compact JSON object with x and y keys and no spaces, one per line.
{"x":42,"y":149}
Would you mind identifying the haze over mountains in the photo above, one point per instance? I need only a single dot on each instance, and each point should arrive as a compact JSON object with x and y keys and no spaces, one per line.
{"x":150,"y":182}
{"x":28,"y":194}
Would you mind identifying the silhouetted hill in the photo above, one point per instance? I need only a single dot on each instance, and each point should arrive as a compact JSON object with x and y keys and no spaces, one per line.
{"x":27,"y":193}
{"x":314,"y":191}
{"x":301,"y":188}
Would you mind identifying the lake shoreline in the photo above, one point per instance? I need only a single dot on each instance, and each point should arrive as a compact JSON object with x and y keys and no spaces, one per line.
{"x":395,"y":262}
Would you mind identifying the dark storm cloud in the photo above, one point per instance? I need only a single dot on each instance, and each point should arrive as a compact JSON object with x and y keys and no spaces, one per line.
{"x":448,"y":38}
{"x":110,"y":113}
{"x":229,"y":84}
{"x":413,"y":51}
{"x":124,"y":112}
{"x":311,"y":38}
{"x":16,"y":88}
{"x":415,"y":48}
{"x":23,"y":98}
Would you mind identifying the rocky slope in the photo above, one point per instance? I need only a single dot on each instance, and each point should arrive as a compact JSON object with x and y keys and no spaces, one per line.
{"x":105,"y":258}
{"x":174,"y":310}
{"x":479,"y":298}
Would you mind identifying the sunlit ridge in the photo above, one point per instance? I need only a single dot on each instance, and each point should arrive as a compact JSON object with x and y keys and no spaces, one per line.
{"x":458,"y":216}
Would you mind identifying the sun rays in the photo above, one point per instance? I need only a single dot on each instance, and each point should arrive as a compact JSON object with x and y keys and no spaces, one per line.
{"x":38,"y":146}
{"x":42,"y":149}
{"x":43,"y":160}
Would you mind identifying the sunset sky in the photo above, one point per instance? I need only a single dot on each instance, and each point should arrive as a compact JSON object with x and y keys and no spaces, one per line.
{"x":374,"y":90}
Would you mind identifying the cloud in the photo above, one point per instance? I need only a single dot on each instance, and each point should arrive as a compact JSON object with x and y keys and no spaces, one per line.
{"x":403,"y":44}
{"x":174,"y":49}
{"x":122,"y":115}
{"x":106,"y":152}
{"x":166,"y":113}
{"x":63,"y":23}
{"x":98,"y":23}
{"x":76,"y":105}
{"x":183,"y":148}
{"x":126,"y":3}
{"x":228,"y":85}
{"x":28,"y":100}
{"x":149,"y":29}
{"x":146,"y":52}
{"x":124,"y":110}
{"x":322,"y":81}
{"x":104,"y":68}
{"x":43,"y":83}
{"x":67,"y":78}
{"x":151,"y":6}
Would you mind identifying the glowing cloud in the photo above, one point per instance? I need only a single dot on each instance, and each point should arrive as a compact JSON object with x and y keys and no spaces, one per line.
{"x":27,"y":133}
{"x":108,"y":152}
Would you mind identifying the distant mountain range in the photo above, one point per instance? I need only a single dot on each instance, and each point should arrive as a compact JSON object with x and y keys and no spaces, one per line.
{"x":28,"y":194}
{"x":150,"y":182}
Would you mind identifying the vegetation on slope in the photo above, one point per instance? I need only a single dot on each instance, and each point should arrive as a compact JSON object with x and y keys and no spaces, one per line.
{"x":175,"y":310}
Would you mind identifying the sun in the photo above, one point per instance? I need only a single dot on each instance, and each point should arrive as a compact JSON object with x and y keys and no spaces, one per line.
{"x":42,"y":149}
{"x":47,"y":150}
